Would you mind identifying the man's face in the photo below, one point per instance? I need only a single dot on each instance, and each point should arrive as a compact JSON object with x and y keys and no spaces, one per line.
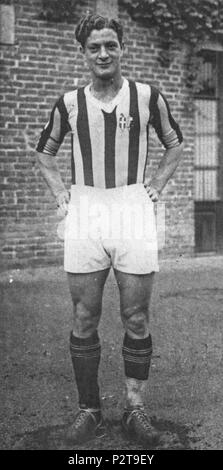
{"x":103,"y":53}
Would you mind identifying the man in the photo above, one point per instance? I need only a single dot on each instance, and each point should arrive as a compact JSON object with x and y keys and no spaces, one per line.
{"x":109,"y":120}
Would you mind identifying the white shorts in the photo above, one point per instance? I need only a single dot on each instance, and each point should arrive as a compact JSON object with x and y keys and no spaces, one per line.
{"x":110,"y":227}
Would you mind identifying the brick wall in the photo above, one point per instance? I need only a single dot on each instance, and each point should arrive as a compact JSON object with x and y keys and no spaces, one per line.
{"x":43,"y":63}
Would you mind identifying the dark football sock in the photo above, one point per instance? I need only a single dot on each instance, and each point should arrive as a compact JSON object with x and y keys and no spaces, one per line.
{"x":85,"y":355}
{"x":137,"y":356}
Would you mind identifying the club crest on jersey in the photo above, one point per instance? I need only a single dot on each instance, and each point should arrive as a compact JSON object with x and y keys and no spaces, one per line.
{"x":125,"y":122}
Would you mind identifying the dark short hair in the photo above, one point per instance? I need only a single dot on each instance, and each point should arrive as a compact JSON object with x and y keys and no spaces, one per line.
{"x":90,"y":22}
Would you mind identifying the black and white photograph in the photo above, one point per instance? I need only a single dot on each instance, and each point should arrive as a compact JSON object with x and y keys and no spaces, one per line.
{"x":111,"y":264}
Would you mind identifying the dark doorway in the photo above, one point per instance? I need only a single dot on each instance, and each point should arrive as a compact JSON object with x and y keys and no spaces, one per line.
{"x":208,"y":169}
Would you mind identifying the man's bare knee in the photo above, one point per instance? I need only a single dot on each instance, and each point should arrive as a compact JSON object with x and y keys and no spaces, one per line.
{"x":85,"y":319}
{"x":136,"y":321}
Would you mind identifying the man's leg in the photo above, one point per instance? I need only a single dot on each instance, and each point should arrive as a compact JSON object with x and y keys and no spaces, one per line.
{"x":135,"y":294}
{"x":86,"y":292}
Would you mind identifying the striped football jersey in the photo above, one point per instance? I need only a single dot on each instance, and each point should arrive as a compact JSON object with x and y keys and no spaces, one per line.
{"x":109,"y":141}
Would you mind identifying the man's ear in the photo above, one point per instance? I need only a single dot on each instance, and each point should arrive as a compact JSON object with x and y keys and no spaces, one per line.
{"x":82,"y":49}
{"x":123,"y":48}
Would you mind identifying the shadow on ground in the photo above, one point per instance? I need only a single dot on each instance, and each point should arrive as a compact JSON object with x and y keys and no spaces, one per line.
{"x":174,"y":436}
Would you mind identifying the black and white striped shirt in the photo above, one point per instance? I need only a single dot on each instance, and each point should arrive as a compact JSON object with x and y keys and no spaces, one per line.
{"x":110,"y":140}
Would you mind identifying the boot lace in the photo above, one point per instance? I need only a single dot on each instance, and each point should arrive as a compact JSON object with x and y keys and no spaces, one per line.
{"x":81,"y":417}
{"x":141,"y":416}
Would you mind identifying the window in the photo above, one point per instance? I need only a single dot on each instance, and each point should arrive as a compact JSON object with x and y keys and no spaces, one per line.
{"x":206,"y":130}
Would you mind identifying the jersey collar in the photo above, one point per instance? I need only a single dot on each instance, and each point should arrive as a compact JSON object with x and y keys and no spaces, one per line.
{"x":108,"y":107}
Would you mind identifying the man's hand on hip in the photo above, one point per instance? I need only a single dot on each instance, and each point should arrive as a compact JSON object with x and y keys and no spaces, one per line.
{"x":153,"y":193}
{"x":62,"y":203}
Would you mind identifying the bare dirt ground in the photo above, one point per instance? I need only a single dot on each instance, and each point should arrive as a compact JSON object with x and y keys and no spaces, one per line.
{"x":185,"y":392}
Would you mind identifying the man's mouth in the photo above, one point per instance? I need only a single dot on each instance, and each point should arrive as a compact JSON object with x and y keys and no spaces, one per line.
{"x":104,"y":64}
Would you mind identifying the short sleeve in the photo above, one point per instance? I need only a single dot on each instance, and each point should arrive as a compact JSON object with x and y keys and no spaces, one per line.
{"x":161,"y":119}
{"x":55,"y":130}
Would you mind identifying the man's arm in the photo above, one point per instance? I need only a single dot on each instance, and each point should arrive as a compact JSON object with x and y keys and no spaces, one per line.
{"x":50,"y":140}
{"x":166,"y":169}
{"x":51,"y":175}
{"x":170,"y":136}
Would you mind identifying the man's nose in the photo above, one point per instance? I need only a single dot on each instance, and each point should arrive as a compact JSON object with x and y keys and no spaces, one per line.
{"x":103,"y":53}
